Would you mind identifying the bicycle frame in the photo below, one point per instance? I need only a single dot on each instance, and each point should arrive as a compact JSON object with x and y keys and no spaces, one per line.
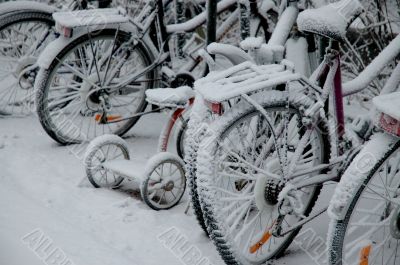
{"x":328,"y":76}
{"x":152,"y":15}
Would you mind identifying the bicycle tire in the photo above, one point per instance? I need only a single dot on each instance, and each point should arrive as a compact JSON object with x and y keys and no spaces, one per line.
{"x":45,"y":76}
{"x":8,"y":21}
{"x":338,"y":226}
{"x":221,"y":240}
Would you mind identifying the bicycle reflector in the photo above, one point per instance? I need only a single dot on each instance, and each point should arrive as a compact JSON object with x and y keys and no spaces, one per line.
{"x":104,"y":119}
{"x":216,"y":108}
{"x":389,"y":124}
{"x":64,"y":30}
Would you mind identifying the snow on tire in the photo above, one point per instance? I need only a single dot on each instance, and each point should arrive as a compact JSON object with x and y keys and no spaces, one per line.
{"x":102,"y":149}
{"x":228,"y":230}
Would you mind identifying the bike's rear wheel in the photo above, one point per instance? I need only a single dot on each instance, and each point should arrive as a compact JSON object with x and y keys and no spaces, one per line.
{"x":23,"y":35}
{"x":75,"y":98}
{"x":239,"y":219}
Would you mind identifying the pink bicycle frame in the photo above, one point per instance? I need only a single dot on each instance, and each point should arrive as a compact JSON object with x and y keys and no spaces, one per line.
{"x":330,"y":77}
{"x":167,"y":130}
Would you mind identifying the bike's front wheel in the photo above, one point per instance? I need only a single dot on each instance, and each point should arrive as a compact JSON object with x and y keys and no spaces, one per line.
{"x":365,"y":208}
{"x":87,"y":91}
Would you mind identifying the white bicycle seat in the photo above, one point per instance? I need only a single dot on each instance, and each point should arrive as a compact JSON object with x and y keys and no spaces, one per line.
{"x":170,"y":97}
{"x":331,"y":20}
{"x":388,"y":104}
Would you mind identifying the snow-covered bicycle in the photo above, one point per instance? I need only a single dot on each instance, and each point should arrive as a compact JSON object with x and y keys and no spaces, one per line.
{"x":262,"y":164}
{"x":285,"y":42}
{"x":100,"y":67}
{"x":26,"y":27}
{"x":161,"y":179}
{"x":301,"y":49}
{"x":365,"y":207}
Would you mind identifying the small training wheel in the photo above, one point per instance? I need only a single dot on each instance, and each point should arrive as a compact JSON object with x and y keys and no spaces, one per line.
{"x":164,"y":182}
{"x":102,"y":149}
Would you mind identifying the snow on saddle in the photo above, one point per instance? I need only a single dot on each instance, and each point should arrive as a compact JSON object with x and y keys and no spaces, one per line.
{"x":332,"y":20}
{"x":170,"y":97}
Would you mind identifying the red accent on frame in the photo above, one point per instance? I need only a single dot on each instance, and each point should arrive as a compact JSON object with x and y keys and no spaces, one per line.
{"x":339,"y":100}
{"x":177,"y":113}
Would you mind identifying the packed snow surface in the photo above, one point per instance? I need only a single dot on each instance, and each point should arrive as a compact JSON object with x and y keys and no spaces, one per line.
{"x":44,"y":193}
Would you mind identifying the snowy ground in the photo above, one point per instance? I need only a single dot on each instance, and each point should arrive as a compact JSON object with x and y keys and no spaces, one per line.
{"x":49,"y":214}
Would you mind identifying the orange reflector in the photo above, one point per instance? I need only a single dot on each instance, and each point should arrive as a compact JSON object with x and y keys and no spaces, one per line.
{"x":108,"y":118}
{"x":267,"y":235}
{"x":364,"y":255}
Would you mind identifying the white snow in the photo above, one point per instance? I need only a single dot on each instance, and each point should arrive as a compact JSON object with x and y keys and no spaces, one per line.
{"x":39,"y":189}
{"x":232,"y":53}
{"x":133,"y":169}
{"x":251,"y":43}
{"x":373,"y":69}
{"x":170,"y":97}
{"x":331,"y":20}
{"x":159,"y":158}
{"x":82,"y":18}
{"x":359,"y":169}
{"x":388,"y":104}
{"x":6,"y":7}
{"x":242,"y":79}
{"x":199,"y":19}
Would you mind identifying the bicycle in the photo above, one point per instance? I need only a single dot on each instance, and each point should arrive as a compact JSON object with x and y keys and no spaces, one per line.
{"x":364,"y":209}
{"x":262,"y":163}
{"x":301,"y":49}
{"x":26,"y":27}
{"x":75,"y":91}
{"x":161,"y":179}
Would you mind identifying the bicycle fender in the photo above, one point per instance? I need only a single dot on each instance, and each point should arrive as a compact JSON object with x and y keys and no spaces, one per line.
{"x":54,"y":48}
{"x":358,"y":171}
{"x":18,"y":6}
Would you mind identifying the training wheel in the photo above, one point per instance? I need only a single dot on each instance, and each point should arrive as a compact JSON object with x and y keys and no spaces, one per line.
{"x":102,"y":149}
{"x":164,"y":182}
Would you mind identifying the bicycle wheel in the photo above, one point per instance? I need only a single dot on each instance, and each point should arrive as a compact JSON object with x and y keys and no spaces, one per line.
{"x":165,"y":183}
{"x":23,"y":35}
{"x":103,"y":149}
{"x":365,"y":40}
{"x":368,"y":194}
{"x":80,"y":94}
{"x":239,"y":205}
{"x":199,"y":116}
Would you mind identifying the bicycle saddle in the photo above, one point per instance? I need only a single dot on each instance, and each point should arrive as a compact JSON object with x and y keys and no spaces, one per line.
{"x":331,"y":20}
{"x":170,"y":97}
